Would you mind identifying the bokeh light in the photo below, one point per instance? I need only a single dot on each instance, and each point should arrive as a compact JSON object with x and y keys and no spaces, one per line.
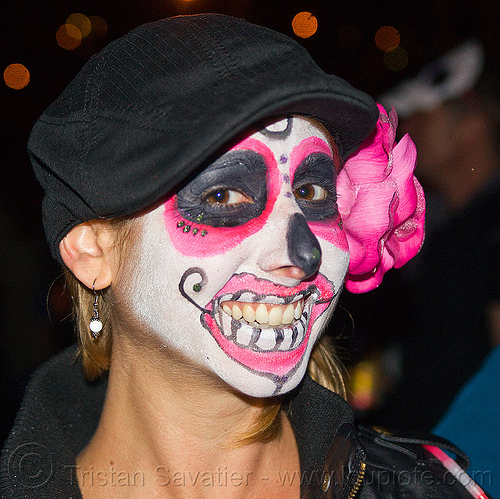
{"x":16,"y":76}
{"x":68,"y":37}
{"x":77,"y":27}
{"x":364,"y":384}
{"x":387,"y":38}
{"x":99,"y":27}
{"x":396,"y":59}
{"x":82,"y":22}
{"x":304,"y":24}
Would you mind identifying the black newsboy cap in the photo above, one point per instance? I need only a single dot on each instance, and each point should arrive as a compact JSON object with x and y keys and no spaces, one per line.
{"x":153,"y":106}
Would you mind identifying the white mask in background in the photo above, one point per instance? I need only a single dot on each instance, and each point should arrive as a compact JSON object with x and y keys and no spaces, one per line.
{"x":256,"y":233}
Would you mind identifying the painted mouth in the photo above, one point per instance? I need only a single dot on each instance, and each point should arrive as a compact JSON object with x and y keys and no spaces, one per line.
{"x":264,"y":326}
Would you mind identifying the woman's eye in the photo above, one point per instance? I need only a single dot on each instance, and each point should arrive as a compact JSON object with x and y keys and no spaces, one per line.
{"x":311,"y":192}
{"x":226,"y":196}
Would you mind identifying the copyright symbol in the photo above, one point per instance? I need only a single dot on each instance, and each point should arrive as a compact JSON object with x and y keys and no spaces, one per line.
{"x":31,"y":464}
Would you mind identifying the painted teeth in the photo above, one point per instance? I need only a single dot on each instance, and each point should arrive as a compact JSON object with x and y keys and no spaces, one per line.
{"x":264,"y":314}
{"x":257,"y":338}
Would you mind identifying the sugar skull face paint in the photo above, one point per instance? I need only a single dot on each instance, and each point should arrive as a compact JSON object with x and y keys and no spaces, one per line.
{"x":241,"y":269}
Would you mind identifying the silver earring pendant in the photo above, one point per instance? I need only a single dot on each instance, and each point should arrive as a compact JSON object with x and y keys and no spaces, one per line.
{"x":95,"y":322}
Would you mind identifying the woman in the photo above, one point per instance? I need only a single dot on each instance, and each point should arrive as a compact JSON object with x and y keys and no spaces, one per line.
{"x":196,"y":195}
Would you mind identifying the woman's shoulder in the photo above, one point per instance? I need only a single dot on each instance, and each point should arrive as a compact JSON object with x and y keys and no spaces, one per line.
{"x":340,"y":458}
{"x":57,"y":418}
{"x":415,"y":465}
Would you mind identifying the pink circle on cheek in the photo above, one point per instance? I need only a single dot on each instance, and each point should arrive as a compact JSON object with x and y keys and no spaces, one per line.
{"x":200,"y":240}
{"x":332,"y":232}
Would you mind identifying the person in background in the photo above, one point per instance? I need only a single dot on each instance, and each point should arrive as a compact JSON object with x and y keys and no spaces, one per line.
{"x":473,"y":423}
{"x":452,"y":111}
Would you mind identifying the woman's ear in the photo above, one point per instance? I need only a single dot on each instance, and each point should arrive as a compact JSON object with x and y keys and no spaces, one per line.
{"x":88,"y":251}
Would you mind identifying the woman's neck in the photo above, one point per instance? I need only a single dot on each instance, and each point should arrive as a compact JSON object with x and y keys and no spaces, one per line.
{"x":175,"y":429}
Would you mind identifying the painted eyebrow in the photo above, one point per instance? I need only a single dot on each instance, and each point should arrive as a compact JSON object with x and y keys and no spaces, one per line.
{"x":238,"y":156}
{"x":315,"y":165}
{"x":230,"y":169}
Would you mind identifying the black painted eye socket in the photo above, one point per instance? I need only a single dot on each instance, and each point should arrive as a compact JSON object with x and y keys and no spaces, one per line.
{"x":314,"y":187}
{"x":228,"y":193}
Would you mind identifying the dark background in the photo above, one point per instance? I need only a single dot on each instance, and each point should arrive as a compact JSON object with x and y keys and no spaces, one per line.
{"x":33,"y":309}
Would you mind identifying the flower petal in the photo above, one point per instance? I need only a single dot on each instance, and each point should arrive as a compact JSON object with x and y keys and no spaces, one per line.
{"x":382,"y":205}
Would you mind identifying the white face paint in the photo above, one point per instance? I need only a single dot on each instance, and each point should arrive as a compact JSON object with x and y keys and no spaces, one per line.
{"x":241,"y":269}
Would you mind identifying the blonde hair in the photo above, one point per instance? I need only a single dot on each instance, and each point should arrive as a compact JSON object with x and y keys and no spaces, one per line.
{"x":95,"y":353}
{"x":324,"y":367}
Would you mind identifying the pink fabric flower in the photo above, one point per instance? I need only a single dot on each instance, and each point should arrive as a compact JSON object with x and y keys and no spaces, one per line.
{"x":382,"y":205}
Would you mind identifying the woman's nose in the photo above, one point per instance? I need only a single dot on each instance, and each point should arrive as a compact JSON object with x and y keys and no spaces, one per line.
{"x":292,"y":250}
{"x":304,"y":250}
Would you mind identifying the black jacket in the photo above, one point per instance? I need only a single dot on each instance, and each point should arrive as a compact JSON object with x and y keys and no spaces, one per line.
{"x":61,"y":411}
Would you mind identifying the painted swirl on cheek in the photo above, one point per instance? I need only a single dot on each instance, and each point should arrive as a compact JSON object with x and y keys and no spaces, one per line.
{"x":312,"y":162}
{"x":196,"y":287}
{"x":226,"y":226}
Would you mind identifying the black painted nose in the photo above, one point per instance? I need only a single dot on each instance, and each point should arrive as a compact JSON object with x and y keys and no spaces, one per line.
{"x":304,"y":250}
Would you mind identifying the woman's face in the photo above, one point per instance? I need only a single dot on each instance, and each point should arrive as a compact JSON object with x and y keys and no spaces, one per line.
{"x":241,"y":269}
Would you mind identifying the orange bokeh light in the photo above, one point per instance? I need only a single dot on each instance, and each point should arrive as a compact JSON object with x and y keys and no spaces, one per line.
{"x":82,"y":22}
{"x":304,"y":24}
{"x":16,"y":76}
{"x":68,"y":37}
{"x":387,"y":38}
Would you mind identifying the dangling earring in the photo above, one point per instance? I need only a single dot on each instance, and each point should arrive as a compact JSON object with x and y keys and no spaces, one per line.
{"x":95,"y":322}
